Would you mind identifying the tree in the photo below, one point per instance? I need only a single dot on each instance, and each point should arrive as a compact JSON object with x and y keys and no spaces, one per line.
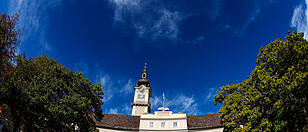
{"x":274,"y":97}
{"x":9,"y":40}
{"x":49,"y":97}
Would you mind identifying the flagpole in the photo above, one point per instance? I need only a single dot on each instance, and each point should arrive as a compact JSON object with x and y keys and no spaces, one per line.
{"x":163,"y":100}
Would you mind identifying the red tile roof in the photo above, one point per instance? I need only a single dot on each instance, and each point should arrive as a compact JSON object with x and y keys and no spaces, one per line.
{"x":116,"y":121}
{"x":203,"y":121}
{"x":129,"y":122}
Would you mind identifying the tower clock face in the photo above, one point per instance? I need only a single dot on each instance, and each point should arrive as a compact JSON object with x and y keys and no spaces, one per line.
{"x":140,"y":96}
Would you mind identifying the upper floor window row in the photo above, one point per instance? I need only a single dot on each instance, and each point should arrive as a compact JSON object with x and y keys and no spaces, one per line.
{"x":163,"y":124}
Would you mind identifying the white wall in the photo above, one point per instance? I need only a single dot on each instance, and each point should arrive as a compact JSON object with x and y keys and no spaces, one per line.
{"x":167,"y":131}
{"x":181,"y":124}
{"x":110,"y":130}
{"x":209,"y":130}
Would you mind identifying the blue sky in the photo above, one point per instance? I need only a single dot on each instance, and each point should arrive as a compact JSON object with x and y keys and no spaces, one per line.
{"x":192,"y":47}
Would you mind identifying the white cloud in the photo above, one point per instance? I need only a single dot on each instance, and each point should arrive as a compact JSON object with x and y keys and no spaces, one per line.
{"x":185,"y":104}
{"x":124,"y":7}
{"x":178,"y":103}
{"x":150,"y":19}
{"x":122,"y":109}
{"x":156,"y":101}
{"x":112,"y":86}
{"x":112,"y":110}
{"x":33,"y":19}
{"x":127,"y":88}
{"x":127,"y":109}
{"x":300,"y":18}
{"x":254,"y":14}
{"x":107,"y":86}
{"x":210,"y":94}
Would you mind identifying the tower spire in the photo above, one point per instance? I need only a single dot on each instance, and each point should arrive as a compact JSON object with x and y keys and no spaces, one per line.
{"x":144,"y":76}
{"x":144,"y":72}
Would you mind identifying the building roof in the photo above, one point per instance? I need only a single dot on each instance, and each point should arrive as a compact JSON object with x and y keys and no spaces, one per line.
{"x":203,"y":121}
{"x":129,"y":122}
{"x":116,"y":121}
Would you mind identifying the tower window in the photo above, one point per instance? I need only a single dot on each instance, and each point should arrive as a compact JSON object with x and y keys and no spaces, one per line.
{"x":151,"y":124}
{"x":143,"y":75}
{"x":175,"y":124}
{"x":162,"y":124}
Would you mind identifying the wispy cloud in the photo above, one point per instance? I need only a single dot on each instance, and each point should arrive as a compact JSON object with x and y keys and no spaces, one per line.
{"x":122,"y":109}
{"x":300,"y":18}
{"x":215,"y":12}
{"x":185,"y":103}
{"x":112,"y":86}
{"x":150,"y":19}
{"x":112,"y":110}
{"x":178,"y":103}
{"x":252,"y":17}
{"x":107,"y":84}
{"x":210,"y":94}
{"x":127,"y":88}
{"x":156,"y":101}
{"x":33,"y":20}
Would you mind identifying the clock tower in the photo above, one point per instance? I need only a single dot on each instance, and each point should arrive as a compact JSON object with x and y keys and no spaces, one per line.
{"x":142,"y":95}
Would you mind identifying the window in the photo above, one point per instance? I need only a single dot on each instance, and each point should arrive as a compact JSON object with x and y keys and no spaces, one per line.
{"x":175,"y":124}
{"x":162,"y":124}
{"x":151,"y":124}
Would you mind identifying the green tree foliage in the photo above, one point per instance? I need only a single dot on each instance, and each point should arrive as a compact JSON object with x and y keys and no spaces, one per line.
{"x":9,"y":40}
{"x":45,"y":96}
{"x":274,"y":97}
{"x":39,"y":94}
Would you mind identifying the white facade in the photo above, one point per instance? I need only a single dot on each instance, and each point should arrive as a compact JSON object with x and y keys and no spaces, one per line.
{"x":221,"y":129}
{"x":163,"y":120}
{"x":110,"y":130}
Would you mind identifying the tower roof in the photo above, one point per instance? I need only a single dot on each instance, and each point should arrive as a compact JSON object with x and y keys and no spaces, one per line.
{"x":144,"y":77}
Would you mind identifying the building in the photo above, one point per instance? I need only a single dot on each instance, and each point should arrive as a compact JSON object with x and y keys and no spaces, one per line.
{"x":163,"y":119}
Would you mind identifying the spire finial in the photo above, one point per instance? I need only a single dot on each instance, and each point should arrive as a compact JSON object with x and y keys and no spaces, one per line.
{"x":145,"y":66}
{"x":144,"y":72}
